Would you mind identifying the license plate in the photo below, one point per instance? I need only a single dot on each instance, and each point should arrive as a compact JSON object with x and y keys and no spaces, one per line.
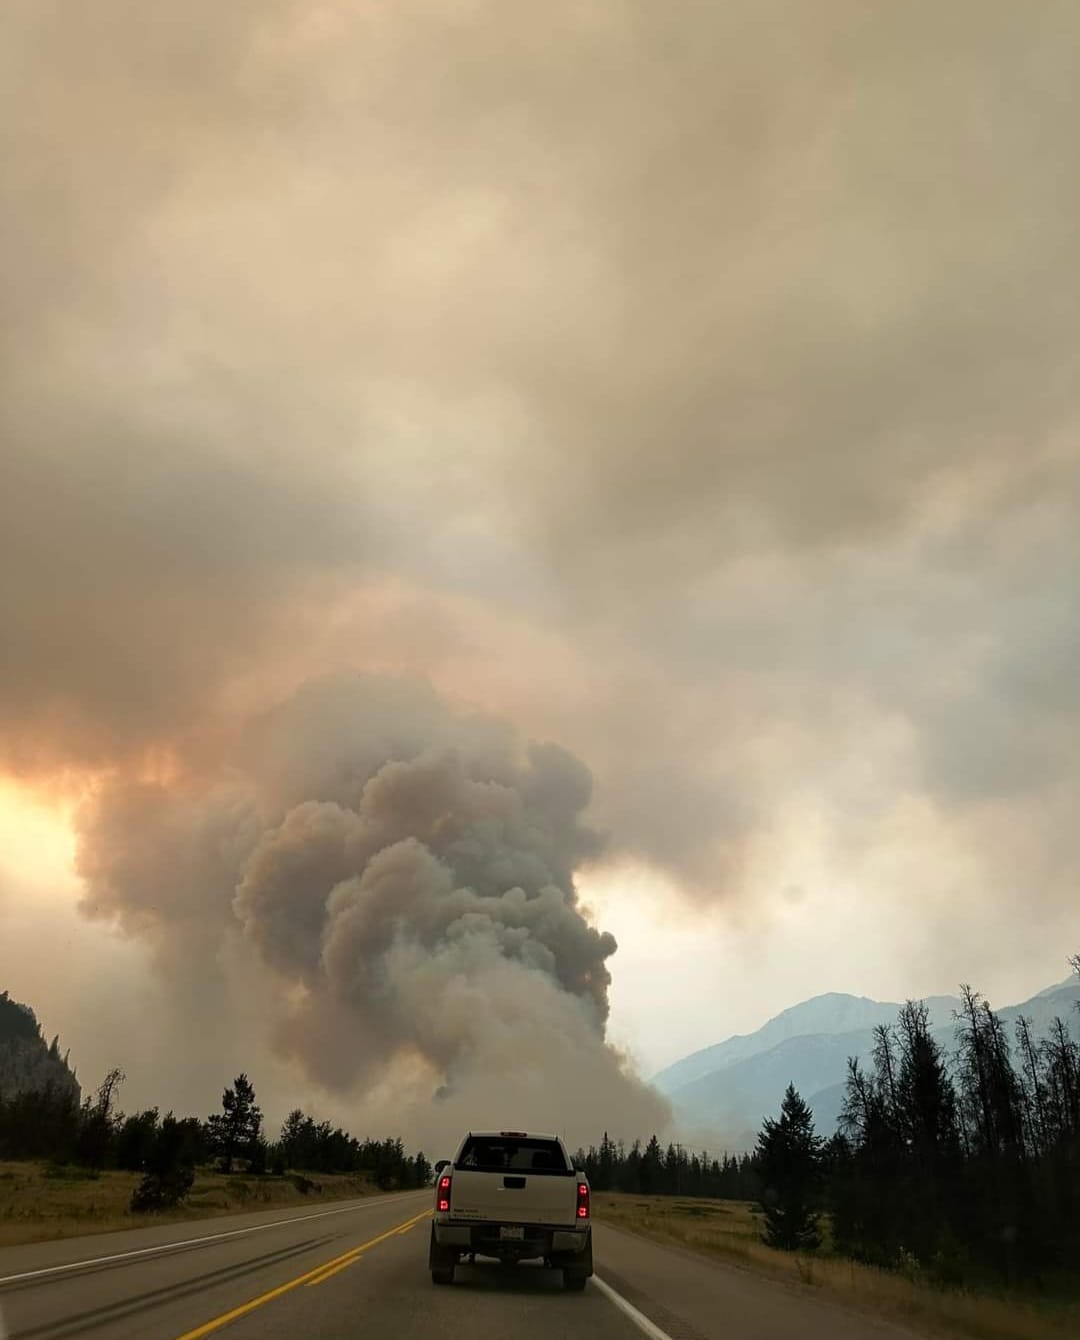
{"x":513,"y":1234}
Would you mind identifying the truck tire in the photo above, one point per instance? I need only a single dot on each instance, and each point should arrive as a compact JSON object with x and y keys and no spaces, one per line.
{"x":577,"y":1269}
{"x":441,"y":1261}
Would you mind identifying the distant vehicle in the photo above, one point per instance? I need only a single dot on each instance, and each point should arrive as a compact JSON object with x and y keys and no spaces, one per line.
{"x":514,"y":1197}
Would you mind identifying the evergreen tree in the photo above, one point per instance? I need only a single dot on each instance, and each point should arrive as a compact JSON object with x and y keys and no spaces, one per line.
{"x":135,"y":1140}
{"x":236,"y":1131}
{"x":630,"y":1174}
{"x":791,"y":1160}
{"x":170,"y":1171}
{"x":297,"y":1140}
{"x":991,"y":1093}
{"x":606,"y":1165}
{"x":650,"y":1171}
{"x":44,"y":1124}
{"x":925,"y":1099}
{"x":929,"y":1149}
{"x":671,"y":1179}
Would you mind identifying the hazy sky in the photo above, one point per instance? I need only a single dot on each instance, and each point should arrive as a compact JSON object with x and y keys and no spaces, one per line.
{"x":698,"y":389}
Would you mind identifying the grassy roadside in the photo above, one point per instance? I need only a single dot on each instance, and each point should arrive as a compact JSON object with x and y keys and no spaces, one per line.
{"x":39,"y":1202}
{"x":730,"y":1231}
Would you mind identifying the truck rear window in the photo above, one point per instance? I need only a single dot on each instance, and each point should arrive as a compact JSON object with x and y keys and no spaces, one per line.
{"x":490,"y":1153}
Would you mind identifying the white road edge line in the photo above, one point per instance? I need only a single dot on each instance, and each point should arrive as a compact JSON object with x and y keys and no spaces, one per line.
{"x":189,"y":1242}
{"x":639,"y":1319}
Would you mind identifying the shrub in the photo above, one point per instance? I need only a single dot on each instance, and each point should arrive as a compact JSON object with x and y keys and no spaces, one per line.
{"x":162,"y":1190}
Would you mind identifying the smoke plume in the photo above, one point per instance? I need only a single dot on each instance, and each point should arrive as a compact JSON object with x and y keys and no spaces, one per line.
{"x":405,"y":875}
{"x":698,"y":388}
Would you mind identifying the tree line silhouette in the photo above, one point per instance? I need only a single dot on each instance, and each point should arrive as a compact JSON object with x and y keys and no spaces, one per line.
{"x":957,"y":1170}
{"x":960,"y":1168}
{"x":653,"y":1170}
{"x":52,"y":1124}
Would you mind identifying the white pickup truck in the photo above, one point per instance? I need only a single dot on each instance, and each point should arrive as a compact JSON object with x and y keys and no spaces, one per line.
{"x":515,"y":1197}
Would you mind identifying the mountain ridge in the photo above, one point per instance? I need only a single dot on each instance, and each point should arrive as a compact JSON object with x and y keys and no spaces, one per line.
{"x":732,"y":1085}
{"x":790,"y":1022}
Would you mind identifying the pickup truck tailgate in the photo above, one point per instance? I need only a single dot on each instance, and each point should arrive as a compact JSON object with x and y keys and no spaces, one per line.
{"x":514,"y":1198}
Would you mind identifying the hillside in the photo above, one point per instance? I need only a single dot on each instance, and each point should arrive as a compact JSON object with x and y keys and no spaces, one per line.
{"x":728,"y":1088}
{"x":27,"y":1062}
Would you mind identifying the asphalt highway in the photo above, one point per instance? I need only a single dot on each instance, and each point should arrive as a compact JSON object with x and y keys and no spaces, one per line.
{"x":359,"y":1269}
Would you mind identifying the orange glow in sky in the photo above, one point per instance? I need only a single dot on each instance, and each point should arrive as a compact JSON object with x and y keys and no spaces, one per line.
{"x":36,"y":839}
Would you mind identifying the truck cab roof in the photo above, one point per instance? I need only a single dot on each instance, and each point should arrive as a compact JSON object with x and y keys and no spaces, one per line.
{"x":516,"y":1135}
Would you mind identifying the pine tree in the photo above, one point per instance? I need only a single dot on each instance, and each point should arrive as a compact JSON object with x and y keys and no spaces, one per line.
{"x":671,"y":1181}
{"x":926,"y":1101}
{"x":236,"y":1131}
{"x":790,"y":1156}
{"x":292,"y":1141}
{"x":606,"y":1165}
{"x":630,"y":1176}
{"x":652,"y":1166}
{"x":991,"y":1092}
{"x":170,"y":1168}
{"x":925,"y":1177}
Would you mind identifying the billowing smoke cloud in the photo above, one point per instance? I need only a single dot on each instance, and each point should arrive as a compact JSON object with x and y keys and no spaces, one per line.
{"x":697,"y":389}
{"x":417,"y":906}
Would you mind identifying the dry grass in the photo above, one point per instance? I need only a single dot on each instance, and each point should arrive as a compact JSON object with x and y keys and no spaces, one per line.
{"x":39,"y":1202}
{"x":731,"y":1231}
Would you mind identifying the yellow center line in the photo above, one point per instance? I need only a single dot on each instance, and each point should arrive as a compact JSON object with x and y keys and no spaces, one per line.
{"x":332,"y":1267}
{"x":315,"y":1276}
{"x":328,"y":1274}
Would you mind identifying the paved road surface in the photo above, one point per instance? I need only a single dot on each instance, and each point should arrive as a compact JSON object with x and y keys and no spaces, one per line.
{"x":359,"y":1269}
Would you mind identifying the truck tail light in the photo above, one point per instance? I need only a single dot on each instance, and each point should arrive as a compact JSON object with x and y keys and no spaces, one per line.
{"x":583,"y":1200}
{"x":443,"y":1198}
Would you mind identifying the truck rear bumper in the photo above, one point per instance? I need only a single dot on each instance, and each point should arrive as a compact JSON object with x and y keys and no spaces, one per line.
{"x":486,"y":1239}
